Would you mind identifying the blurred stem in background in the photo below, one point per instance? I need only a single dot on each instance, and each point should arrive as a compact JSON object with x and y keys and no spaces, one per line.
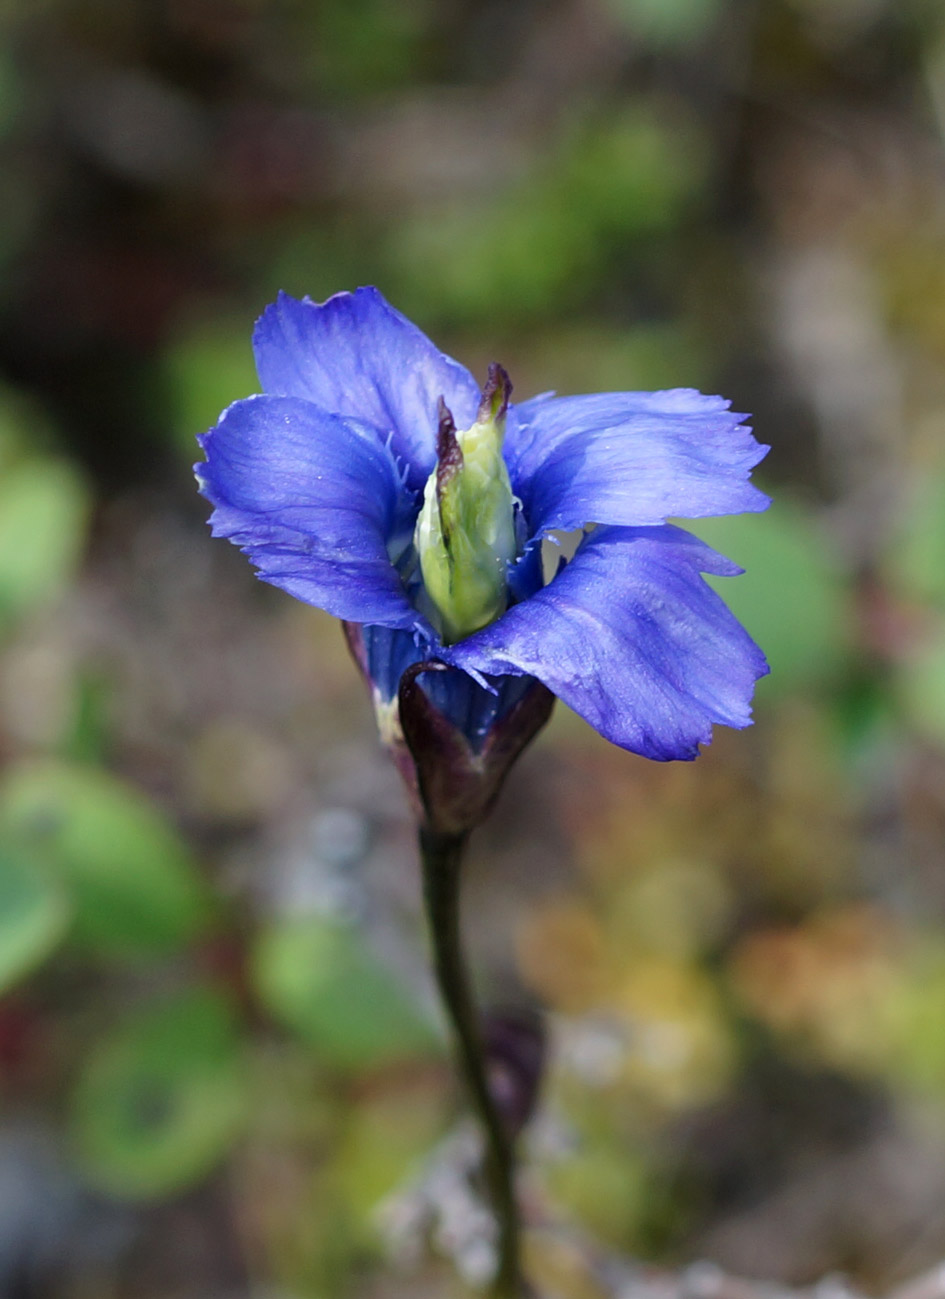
{"x":441,"y":857}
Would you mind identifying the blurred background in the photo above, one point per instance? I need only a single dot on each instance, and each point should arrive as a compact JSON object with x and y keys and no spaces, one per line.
{"x":221,"y":1068}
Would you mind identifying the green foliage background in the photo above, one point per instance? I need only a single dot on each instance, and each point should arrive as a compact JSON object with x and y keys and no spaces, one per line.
{"x":219,"y":1051}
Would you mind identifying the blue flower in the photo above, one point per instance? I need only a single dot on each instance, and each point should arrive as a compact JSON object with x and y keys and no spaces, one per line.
{"x":321,"y":480}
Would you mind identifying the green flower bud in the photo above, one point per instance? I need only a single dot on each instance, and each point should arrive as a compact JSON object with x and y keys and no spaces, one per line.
{"x":465,"y":535}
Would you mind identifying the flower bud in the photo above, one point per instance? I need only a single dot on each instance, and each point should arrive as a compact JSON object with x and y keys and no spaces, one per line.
{"x":465,"y":534}
{"x":452,"y":739}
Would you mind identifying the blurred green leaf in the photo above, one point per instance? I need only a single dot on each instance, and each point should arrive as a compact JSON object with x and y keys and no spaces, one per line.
{"x":368,"y":47}
{"x":317,"y":977}
{"x":87,"y":740}
{"x":161,"y":1099}
{"x":386,"y":1135}
{"x":583,"y":356}
{"x":548,"y":240}
{"x":319,"y":258}
{"x":34,"y":913}
{"x":909,"y":1021}
{"x":135,"y":888}
{"x":916,"y":559}
{"x":43,"y":514}
{"x":791,"y":597}
{"x":919,"y":686}
{"x":208,"y":367}
{"x":606,"y":1187}
{"x":666,"y":22}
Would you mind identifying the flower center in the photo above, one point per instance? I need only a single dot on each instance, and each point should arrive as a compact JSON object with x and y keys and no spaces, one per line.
{"x":465,"y":533}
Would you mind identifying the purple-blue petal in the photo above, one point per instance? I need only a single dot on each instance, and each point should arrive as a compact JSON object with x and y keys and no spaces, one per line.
{"x":313,"y":500}
{"x":630,"y":458}
{"x":356,"y":356}
{"x":630,"y":636}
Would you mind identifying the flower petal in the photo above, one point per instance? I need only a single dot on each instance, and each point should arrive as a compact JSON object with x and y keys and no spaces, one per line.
{"x":356,"y":356}
{"x":631,"y":637}
{"x":630,"y":458}
{"x":313,"y":500}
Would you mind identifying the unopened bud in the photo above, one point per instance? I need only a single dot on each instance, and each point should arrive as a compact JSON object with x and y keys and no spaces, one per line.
{"x":465,"y":533}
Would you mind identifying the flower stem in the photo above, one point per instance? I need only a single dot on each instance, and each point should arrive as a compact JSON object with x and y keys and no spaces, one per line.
{"x":441,"y":855}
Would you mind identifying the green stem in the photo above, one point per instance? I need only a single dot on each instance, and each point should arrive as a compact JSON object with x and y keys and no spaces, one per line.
{"x":441,"y":856}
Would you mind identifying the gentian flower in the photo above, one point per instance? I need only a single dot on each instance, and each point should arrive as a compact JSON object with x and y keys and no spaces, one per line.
{"x":373,"y":479}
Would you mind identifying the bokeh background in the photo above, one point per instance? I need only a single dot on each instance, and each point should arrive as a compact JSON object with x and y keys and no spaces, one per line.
{"x":219,"y":1050}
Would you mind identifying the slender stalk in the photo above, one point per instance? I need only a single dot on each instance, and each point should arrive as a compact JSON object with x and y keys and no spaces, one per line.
{"x":442,"y":857}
